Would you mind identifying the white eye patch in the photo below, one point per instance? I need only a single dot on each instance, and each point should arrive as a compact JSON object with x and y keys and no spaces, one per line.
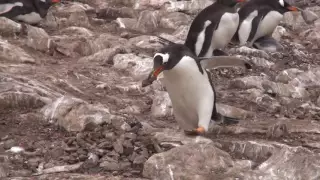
{"x":165,"y":57}
{"x":281,"y":2}
{"x":43,"y":0}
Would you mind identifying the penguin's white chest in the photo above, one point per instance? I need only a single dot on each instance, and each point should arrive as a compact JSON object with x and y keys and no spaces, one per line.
{"x":226,"y":29}
{"x":190,"y":92}
{"x":268,"y":24}
{"x":31,"y":18}
{"x":246,"y":27}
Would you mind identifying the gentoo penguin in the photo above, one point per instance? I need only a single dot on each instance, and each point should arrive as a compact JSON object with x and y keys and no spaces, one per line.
{"x":213,"y":28}
{"x":189,"y":86}
{"x":28,"y":11}
{"x":259,"y":18}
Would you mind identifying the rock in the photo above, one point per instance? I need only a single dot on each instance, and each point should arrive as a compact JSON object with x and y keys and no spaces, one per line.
{"x":248,"y":82}
{"x":168,"y":137}
{"x":287,"y":75}
{"x":110,"y":164}
{"x":142,"y":4}
{"x":262,"y":62}
{"x":190,"y":7}
{"x":181,"y":32}
{"x":114,"y":13}
{"x":85,"y":46}
{"x":9,"y":143}
{"x":286,"y":90}
{"x":307,"y":79}
{"x":9,"y":27}
{"x":79,"y":19}
{"x":294,"y":20}
{"x":171,"y":38}
{"x":291,"y":162}
{"x":146,"y":43}
{"x":138,"y":67}
{"x":205,"y":158}
{"x":231,"y":111}
{"x":161,"y":106}
{"x":278,"y":33}
{"x":3,"y":172}
{"x":277,"y":130}
{"x":77,"y":31}
{"x":252,"y":150}
{"x":249,"y":52}
{"x":127,"y":23}
{"x":312,"y":35}
{"x":38,"y":39}
{"x":74,"y":114}
{"x":309,"y":16}
{"x":104,"y":56}
{"x":21,"y":92}
{"x":257,"y":96}
{"x":174,"y":20}
{"x":12,"y":53}
{"x":148,"y":21}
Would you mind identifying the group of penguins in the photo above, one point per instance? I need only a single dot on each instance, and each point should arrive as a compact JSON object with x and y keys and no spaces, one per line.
{"x":184,"y":66}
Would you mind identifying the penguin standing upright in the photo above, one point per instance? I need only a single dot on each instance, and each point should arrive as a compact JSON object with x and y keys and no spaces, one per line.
{"x":259,"y":18}
{"x":213,"y":28}
{"x":189,"y":86}
{"x":28,"y":11}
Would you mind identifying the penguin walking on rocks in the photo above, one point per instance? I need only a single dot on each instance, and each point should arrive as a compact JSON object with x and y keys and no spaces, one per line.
{"x":189,"y":86}
{"x":28,"y":11}
{"x":213,"y":28}
{"x":259,"y":18}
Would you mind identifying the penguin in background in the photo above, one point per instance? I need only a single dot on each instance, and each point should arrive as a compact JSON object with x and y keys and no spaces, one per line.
{"x":213,"y":28}
{"x":28,"y":11}
{"x":259,"y":18}
{"x":190,"y":88}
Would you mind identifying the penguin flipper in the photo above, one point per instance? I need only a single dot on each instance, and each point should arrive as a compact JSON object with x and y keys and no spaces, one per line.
{"x":224,"y":61}
{"x":255,"y":24}
{"x":6,"y":8}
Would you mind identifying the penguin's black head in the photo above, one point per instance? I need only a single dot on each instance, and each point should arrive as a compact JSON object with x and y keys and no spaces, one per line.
{"x":282,"y":6}
{"x":168,"y":57}
{"x":230,"y":3}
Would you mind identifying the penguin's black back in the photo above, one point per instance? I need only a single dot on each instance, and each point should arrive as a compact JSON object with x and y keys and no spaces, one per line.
{"x":262,"y":6}
{"x":177,"y":52}
{"x":212,"y":13}
{"x":28,"y":7}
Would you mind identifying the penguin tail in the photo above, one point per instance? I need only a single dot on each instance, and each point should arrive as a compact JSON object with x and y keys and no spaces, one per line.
{"x":225,"y":120}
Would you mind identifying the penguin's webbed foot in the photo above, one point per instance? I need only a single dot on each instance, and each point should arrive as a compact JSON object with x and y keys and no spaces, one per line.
{"x":195,"y":132}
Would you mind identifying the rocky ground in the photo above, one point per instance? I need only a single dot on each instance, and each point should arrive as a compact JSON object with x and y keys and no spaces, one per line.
{"x":72,"y":106}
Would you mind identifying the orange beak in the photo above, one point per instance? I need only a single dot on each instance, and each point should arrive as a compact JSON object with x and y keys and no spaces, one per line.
{"x":292,"y":8}
{"x":241,"y":1}
{"x":55,"y":1}
{"x":157,"y":71}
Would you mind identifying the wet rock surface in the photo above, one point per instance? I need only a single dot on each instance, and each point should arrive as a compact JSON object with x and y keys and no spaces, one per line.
{"x":72,"y":105}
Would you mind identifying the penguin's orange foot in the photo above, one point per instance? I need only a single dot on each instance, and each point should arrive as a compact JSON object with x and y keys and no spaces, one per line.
{"x":195,"y":132}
